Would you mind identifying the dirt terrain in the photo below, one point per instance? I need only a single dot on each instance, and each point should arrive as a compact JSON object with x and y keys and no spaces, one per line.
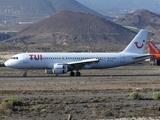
{"x":101,"y":96}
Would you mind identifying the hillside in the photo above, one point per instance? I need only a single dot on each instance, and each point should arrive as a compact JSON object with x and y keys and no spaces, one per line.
{"x":74,"y":28}
{"x":141,"y":19}
{"x":35,"y":10}
{"x":127,"y":5}
{"x":28,"y":7}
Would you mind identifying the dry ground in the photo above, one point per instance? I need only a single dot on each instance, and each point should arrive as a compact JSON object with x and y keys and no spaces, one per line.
{"x":82,"y":98}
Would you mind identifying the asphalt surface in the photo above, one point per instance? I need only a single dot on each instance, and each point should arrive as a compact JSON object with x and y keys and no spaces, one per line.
{"x":66,"y":76}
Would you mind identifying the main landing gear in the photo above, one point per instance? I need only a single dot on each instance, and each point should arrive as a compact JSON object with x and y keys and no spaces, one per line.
{"x":25,"y":73}
{"x":77,"y":73}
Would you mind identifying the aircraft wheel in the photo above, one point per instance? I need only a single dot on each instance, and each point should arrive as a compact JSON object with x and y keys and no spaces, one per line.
{"x":72,"y":74}
{"x":24,"y":75}
{"x":78,"y":74}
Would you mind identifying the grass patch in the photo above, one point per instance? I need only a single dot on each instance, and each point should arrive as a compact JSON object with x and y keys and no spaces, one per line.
{"x":44,"y":110}
{"x":156,"y":95}
{"x":134,"y":95}
{"x":7,"y":105}
{"x":35,"y":108}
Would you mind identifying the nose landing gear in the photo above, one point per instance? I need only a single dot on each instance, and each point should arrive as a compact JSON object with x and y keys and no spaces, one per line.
{"x":25,"y":73}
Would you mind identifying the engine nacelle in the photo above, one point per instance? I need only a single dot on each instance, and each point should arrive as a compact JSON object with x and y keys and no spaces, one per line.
{"x":57,"y":69}
{"x":60,"y":69}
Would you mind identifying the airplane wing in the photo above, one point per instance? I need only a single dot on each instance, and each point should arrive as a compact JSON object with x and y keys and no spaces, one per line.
{"x":84,"y":62}
{"x":81,"y":64}
{"x":142,"y":56}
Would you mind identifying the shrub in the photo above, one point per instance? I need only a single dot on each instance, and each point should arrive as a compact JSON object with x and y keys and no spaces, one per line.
{"x":7,"y":105}
{"x":134,"y":95}
{"x":12,"y":101}
{"x":43,"y":110}
{"x":35,"y":108}
{"x":156,"y":95}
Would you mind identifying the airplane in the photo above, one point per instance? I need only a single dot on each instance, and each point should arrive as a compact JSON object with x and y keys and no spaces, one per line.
{"x":155,"y":52}
{"x":61,"y":63}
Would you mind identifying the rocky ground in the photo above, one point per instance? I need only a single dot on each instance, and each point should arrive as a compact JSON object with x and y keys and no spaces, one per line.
{"x":83,"y":98}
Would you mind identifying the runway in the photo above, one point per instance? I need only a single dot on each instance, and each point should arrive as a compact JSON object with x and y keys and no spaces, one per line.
{"x":118,"y":72}
{"x":83,"y":76}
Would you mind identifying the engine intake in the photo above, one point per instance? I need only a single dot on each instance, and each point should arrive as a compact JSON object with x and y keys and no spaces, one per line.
{"x":57,"y":69}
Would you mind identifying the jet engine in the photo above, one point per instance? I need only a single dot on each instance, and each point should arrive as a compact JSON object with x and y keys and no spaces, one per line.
{"x":57,"y":69}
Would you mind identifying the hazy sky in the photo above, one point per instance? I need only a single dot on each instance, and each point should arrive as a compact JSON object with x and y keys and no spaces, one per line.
{"x":153,"y":5}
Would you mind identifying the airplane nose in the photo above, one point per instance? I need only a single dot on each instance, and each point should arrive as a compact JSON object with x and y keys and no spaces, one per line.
{"x":6,"y":63}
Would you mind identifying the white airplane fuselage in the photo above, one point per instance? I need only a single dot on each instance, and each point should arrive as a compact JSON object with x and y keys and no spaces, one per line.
{"x":60,"y":63}
{"x":47,"y":60}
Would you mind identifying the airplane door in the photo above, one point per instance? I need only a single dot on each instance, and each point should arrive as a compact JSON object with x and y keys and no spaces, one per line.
{"x":25,"y":59}
{"x":122,"y":59}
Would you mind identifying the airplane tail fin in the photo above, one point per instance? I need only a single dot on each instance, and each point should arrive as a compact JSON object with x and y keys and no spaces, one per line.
{"x":153,"y":49}
{"x":137,"y":45}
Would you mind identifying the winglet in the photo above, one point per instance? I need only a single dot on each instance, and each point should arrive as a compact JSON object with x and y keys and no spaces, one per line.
{"x":137,"y":45}
{"x":153,"y":49}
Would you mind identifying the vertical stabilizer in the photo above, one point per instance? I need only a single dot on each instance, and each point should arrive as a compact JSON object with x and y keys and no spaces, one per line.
{"x":153,"y":49}
{"x":137,"y":45}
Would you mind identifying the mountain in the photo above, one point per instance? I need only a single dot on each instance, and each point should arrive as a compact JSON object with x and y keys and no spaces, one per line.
{"x":141,"y":19}
{"x":75,"y":28}
{"x":151,"y":5}
{"x":34,"y":10}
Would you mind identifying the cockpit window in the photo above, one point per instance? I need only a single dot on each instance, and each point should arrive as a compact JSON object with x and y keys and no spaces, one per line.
{"x":14,"y":58}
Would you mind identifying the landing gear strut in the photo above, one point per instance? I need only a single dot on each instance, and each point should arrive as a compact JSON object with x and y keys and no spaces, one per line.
{"x":77,"y":73}
{"x":25,"y":73}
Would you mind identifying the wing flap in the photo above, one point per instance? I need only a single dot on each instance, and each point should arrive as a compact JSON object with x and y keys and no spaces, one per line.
{"x":83,"y":61}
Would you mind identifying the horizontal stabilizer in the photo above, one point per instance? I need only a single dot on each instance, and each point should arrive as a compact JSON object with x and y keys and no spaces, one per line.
{"x":143,"y":56}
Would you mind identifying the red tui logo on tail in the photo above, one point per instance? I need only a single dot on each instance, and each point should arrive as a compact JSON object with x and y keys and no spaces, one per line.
{"x":138,"y":46}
